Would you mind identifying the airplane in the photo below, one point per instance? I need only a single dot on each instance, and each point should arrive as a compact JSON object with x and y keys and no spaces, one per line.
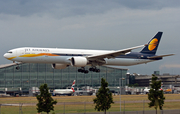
{"x":68,"y":92}
{"x":146,"y":90}
{"x":61,"y":58}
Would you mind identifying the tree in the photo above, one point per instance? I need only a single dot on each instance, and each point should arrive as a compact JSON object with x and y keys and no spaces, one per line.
{"x":136,"y":85}
{"x":133,"y":85}
{"x":45,"y":101}
{"x":103,"y":98}
{"x":156,"y":95}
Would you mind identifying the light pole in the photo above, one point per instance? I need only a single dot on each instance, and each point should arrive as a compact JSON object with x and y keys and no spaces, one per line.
{"x":120,"y":90}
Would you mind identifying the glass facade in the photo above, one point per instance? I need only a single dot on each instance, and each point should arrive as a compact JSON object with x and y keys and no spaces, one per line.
{"x":33,"y":75}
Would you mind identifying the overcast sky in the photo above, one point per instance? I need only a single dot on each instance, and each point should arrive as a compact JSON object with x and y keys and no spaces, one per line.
{"x":93,"y":24}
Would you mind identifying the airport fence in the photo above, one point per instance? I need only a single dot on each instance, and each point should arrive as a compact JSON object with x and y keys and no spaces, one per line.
{"x":127,"y":107}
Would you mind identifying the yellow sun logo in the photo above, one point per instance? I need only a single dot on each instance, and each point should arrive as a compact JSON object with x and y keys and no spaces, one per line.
{"x":153,"y":44}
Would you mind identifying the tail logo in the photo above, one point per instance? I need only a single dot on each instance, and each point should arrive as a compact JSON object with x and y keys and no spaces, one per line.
{"x":72,"y":87}
{"x":153,"y":44}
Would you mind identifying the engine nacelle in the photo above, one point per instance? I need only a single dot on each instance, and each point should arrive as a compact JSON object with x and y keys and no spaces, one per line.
{"x":79,"y":61}
{"x":59,"y":66}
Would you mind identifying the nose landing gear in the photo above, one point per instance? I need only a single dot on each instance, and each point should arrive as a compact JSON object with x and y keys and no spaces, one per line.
{"x":17,"y":67}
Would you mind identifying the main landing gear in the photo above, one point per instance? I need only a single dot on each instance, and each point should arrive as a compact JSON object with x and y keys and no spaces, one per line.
{"x":82,"y":70}
{"x":93,"y":69}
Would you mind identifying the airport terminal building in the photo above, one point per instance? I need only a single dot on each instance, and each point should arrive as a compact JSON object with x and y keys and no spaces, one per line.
{"x":34,"y":74}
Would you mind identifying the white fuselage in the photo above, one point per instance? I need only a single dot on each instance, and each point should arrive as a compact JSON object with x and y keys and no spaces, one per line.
{"x":146,"y":90}
{"x":63,"y":56}
{"x":62,"y":92}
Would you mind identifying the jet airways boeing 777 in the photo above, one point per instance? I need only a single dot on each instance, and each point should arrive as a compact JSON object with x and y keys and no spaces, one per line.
{"x":62,"y":58}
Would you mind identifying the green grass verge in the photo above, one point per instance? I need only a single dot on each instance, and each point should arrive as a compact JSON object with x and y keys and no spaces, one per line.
{"x":78,"y":105}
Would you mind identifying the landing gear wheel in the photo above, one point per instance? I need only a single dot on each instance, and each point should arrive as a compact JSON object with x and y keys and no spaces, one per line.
{"x":17,"y":67}
{"x":94,"y":69}
{"x":90,"y":69}
{"x":79,"y":70}
{"x":86,"y":71}
{"x":82,"y":70}
{"x":97,"y":70}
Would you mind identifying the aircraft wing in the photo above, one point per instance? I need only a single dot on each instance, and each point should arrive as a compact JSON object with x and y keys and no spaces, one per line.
{"x":153,"y":57}
{"x":113,"y":54}
{"x":11,"y":64}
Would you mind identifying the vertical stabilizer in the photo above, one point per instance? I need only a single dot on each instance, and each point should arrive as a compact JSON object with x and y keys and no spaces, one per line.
{"x":153,"y":44}
{"x":72,"y":87}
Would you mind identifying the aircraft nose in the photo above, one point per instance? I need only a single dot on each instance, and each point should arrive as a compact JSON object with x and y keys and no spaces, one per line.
{"x":5,"y":55}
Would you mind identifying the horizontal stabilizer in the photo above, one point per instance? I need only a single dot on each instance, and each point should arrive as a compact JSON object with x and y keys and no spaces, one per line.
{"x":160,"y":56}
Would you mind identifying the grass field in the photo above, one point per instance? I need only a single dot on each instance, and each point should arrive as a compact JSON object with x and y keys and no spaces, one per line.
{"x":81,"y":104}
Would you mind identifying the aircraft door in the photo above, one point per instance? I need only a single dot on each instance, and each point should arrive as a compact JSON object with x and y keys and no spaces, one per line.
{"x":22,"y":52}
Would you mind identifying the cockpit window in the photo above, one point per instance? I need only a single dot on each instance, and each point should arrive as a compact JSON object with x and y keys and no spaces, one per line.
{"x":9,"y":51}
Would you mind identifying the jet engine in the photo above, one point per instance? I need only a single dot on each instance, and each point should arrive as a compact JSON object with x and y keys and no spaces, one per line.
{"x":59,"y":66}
{"x":79,"y":61}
